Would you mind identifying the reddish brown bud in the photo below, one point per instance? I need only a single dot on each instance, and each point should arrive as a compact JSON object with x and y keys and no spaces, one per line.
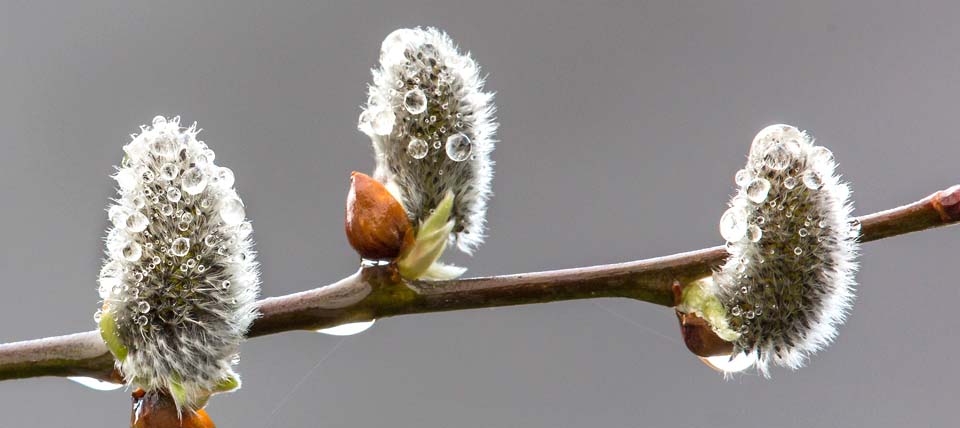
{"x":157,"y":410}
{"x":700,"y":338}
{"x":697,"y":333}
{"x":377,"y":225}
{"x":947,"y":204}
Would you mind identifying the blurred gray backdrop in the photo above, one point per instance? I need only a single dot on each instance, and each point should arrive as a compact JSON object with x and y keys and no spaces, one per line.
{"x":622,"y":125}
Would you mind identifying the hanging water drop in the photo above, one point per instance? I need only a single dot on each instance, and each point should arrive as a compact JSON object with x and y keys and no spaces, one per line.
{"x":754,"y":233}
{"x":742,"y":177}
{"x":348,"y":329}
{"x":728,"y":363}
{"x":96,"y":384}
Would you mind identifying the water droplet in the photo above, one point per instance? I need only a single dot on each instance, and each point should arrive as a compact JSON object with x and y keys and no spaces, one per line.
{"x":225,"y":285}
{"x":173,"y":194}
{"x":812,"y":180}
{"x":193,"y":181}
{"x":732,"y":226}
{"x":146,"y":174}
{"x":180,"y":246}
{"x":459,"y":147}
{"x":790,"y":182}
{"x":754,"y":233}
{"x":97,"y":316}
{"x":749,"y":315}
{"x":244,"y":229}
{"x":210,"y":240}
{"x":758,"y":189}
{"x":138,"y":202}
{"x":232,"y":211}
{"x":132,"y":251}
{"x":777,"y":157}
{"x":141,"y":321}
{"x":822,"y":154}
{"x":382,"y":122}
{"x":191,"y":263}
{"x":137,"y":222}
{"x":169,"y":171}
{"x":798,"y":251}
{"x":854,"y":227}
{"x":96,"y":384}
{"x":348,"y":329}
{"x":163,"y":148}
{"x":225,"y":177}
{"x":728,"y":364}
{"x":166,"y":209}
{"x":143,"y":307}
{"x":761,"y":220}
{"x":742,"y":177}
{"x":159,"y":121}
{"x":735,"y":311}
{"x":415,"y":101}
{"x":417,"y":148}
{"x":802,"y":232}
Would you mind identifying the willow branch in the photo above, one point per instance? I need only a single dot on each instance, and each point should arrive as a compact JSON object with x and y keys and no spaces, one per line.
{"x":379,"y":292}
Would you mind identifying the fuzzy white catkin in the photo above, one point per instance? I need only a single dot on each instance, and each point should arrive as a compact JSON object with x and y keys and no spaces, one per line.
{"x":180,"y":277}
{"x":788,"y":282}
{"x":432,"y":128}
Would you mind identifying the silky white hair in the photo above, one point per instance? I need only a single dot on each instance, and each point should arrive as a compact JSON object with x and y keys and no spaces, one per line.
{"x":788,"y":282}
{"x":432,"y":128}
{"x":180,"y":278}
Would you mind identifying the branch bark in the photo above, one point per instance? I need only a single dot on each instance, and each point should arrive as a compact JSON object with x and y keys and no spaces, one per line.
{"x":379,"y":292}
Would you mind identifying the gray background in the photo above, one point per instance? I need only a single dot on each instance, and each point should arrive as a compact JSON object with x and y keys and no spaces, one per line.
{"x":622,"y":126}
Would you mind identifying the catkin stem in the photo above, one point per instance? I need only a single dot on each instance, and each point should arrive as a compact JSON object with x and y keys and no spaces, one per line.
{"x":378,"y":292}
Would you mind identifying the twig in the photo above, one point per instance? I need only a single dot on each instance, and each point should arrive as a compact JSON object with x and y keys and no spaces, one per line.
{"x":379,"y":292}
